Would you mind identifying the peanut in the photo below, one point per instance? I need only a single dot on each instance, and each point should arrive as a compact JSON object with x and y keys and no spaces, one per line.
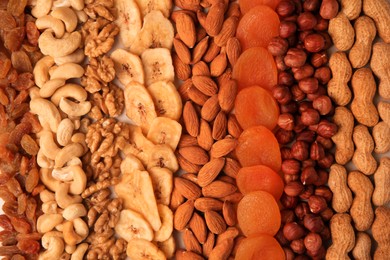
{"x":362,"y":249}
{"x":381,"y":135}
{"x":365,"y":31}
{"x":381,"y":195}
{"x":362,"y":106}
{"x":361,"y":210}
{"x":380,"y":232}
{"x":343,"y":237}
{"x":379,"y":11}
{"x":342,"y":195}
{"x":342,"y":32}
{"x":344,"y":120}
{"x":364,"y":144}
{"x":338,"y":88}
{"x":351,"y":8}
{"x":384,"y":111}
{"x":380,"y":64}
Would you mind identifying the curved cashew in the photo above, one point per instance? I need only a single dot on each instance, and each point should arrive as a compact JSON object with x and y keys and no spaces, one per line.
{"x":77,"y":4}
{"x":70,"y":249}
{"x":43,"y":161}
{"x":62,"y":197}
{"x":47,"y":222}
{"x":80,"y":252}
{"x":49,"y":45}
{"x":75,"y":57}
{"x":70,"y":90}
{"x":49,"y":207}
{"x":50,"y":22}
{"x":80,"y":138}
{"x":65,"y":131}
{"x":75,"y":109}
{"x":34,"y":92}
{"x":82,"y":16}
{"x":47,"y":112}
{"x":41,"y":70}
{"x":75,"y":231}
{"x":47,"y":179}
{"x":61,"y":3}
{"x":67,"y":153}
{"x":74,"y":161}
{"x":47,"y":144}
{"x":45,"y":240}
{"x":50,"y":87}
{"x":74,"y":211}
{"x":67,"y":15}
{"x":64,"y":174}
{"x":55,"y":248}
{"x":60,"y":227}
{"x":77,"y":186}
{"x":46,"y":196}
{"x":67,"y":71}
{"x":41,"y":8}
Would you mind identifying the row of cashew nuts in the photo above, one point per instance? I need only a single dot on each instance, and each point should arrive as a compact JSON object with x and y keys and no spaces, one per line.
{"x":59,"y":106}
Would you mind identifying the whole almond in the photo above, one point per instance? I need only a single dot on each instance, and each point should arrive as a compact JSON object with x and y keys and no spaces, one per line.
{"x":183,"y":89}
{"x":227,"y":179}
{"x":227,"y":95}
{"x":183,"y":215}
{"x":187,"y":255}
{"x":210,"y":108}
{"x":186,"y":30}
{"x":206,"y":204}
{"x":187,"y":188}
{"x":218,"y":189}
{"x":182,"y":70}
{"x":198,"y":227}
{"x":212,"y":52}
{"x":209,"y":244}
{"x":205,"y":84}
{"x":200,"y":49}
{"x":210,"y":171}
{"x":191,"y":5}
{"x":228,"y":30}
{"x":215,"y":222}
{"x":215,"y":19}
{"x":223,"y":147}
{"x":182,"y":51}
{"x":200,"y":34}
{"x":231,"y":167}
{"x":190,"y":242}
{"x":229,"y":213}
{"x":176,"y":199}
{"x":187,"y":140}
{"x":233,"y":10}
{"x":191,"y":119}
{"x":194,"y":154}
{"x":192,"y":177}
{"x":230,"y":233}
{"x":186,"y":165}
{"x":202,"y":16}
{"x":220,"y":126}
{"x":222,"y":251}
{"x":234,"y":128}
{"x":197,"y":96}
{"x":218,"y":65}
{"x":205,"y":138}
{"x":225,"y":77}
{"x":234,"y":197}
{"x":201,"y":69}
{"x":175,"y":14}
{"x":233,"y":50}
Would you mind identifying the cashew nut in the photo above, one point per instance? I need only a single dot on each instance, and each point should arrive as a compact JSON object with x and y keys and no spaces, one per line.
{"x":49,"y":22}
{"x":77,"y":186}
{"x":75,"y":57}
{"x":70,"y":90}
{"x":77,"y":4}
{"x":34,"y":92}
{"x":43,"y":161}
{"x":41,"y":70}
{"x":64,"y":174}
{"x":65,"y":131}
{"x":49,"y":207}
{"x":80,"y":252}
{"x":67,"y":153}
{"x":46,"y":196}
{"x":74,"y":161}
{"x":54,"y":249}
{"x":60,"y":227}
{"x":54,"y":47}
{"x":74,"y":211}
{"x":47,"y":222}
{"x":75,"y":231}
{"x":69,"y":249}
{"x":80,"y":138}
{"x":47,"y":179}
{"x":47,"y":112}
{"x":82,"y":16}
{"x":67,"y":71}
{"x":61,"y":3}
{"x":41,"y":8}
{"x":75,"y":109}
{"x":50,"y":87}
{"x":47,"y":144}
{"x":62,"y":197}
{"x":68,"y":16}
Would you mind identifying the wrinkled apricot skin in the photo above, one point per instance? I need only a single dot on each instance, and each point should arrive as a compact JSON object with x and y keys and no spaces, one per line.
{"x":246,"y":5}
{"x":263,"y":247}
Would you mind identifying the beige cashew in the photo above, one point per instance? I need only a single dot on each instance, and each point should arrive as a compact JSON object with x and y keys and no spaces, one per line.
{"x":54,"y":47}
{"x":75,"y":57}
{"x":52,"y":69}
{"x":54,"y":249}
{"x":65,"y":131}
{"x":70,"y":90}
{"x":74,"y":211}
{"x":75,"y":109}
{"x":60,"y":227}
{"x":80,"y":138}
{"x":70,"y":249}
{"x":77,"y":4}
{"x":43,"y":161}
{"x":77,"y":123}
{"x":50,"y":87}
{"x":79,"y":253}
{"x":34,"y":92}
{"x":67,"y":153}
{"x":48,"y":180}
{"x":49,"y":22}
{"x":45,"y":240}
{"x":79,"y":183}
{"x":41,"y":70}
{"x":82,"y":16}
{"x":49,"y":207}
{"x":74,"y":161}
{"x":67,"y":71}
{"x":67,"y":16}
{"x":47,"y":112}
{"x":61,"y":3}
{"x":64,"y":174}
{"x":75,"y":231}
{"x":48,"y":145}
{"x":41,"y":8}
{"x":63,"y":198}
{"x":46,"y":196}
{"x":47,"y":222}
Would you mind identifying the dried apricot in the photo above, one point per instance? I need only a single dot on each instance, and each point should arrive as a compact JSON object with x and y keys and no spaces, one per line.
{"x":261,"y":246}
{"x":258,"y":213}
{"x":260,"y":177}
{"x":257,"y":27}
{"x":258,"y":145}
{"x":247,"y":5}
{"x":256,"y":106}
{"x":255,"y":67}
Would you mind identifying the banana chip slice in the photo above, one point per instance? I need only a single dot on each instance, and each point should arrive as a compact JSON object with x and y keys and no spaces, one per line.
{"x":146,"y":6}
{"x":162,"y":156}
{"x":162,"y":180}
{"x":131,"y":164}
{"x":157,"y":65}
{"x":132,"y":225}
{"x":128,"y":67}
{"x":166,"y":229}
{"x":165,"y":131}
{"x":141,"y":249}
{"x":139,"y":146}
{"x":166,"y":99}
{"x":129,"y":20}
{"x":168,"y":247}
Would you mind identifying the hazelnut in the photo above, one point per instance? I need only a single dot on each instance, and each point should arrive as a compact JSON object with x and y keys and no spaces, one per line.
{"x":293,"y":188}
{"x":309,"y":175}
{"x":313,"y":223}
{"x":299,"y":126}
{"x":322,"y":24}
{"x":317,"y":204}
{"x":308,"y":85}
{"x":325,"y":233}
{"x":284,"y":136}
{"x":327,"y":214}
{"x":279,"y":61}
{"x":325,"y":129}
{"x":285,"y":78}
{"x":326,"y":161}
{"x":306,"y":21}
{"x":322,"y":177}
{"x":311,"y":5}
{"x":322,"y":104}
{"x":327,"y":143}
{"x":297,"y":93}
{"x":328,"y":40}
{"x":314,"y":42}
{"x":292,"y":18}
{"x":287,"y":216}
{"x":278,"y":46}
{"x":298,"y":246}
{"x":282,"y":94}
{"x":302,"y":36}
{"x":286,"y":121}
{"x":301,"y":210}
{"x":300,"y":150}
{"x":329,"y":9}
{"x":290,"y":177}
{"x":319,"y":254}
{"x":293,"y":231}
{"x":310,"y":117}
{"x":289,"y":253}
{"x":307,"y":136}
{"x":309,"y":190}
{"x":321,"y":91}
{"x":287,"y":29}
{"x":313,"y":242}
{"x":303,"y":72}
{"x":308,"y":163}
{"x":325,"y":192}
{"x":283,"y":241}
{"x":288,"y":202}
{"x":291,"y":107}
{"x":323,"y":75}
{"x":291,"y":167}
{"x":319,"y":59}
{"x":317,"y":151}
{"x":305,"y":105}
{"x":295,"y":58}
{"x":293,"y":40}
{"x":285,"y":8}
{"x":286,"y":153}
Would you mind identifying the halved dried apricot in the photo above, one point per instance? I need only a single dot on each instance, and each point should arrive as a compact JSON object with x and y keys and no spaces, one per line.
{"x":246,"y":5}
{"x":263,"y":247}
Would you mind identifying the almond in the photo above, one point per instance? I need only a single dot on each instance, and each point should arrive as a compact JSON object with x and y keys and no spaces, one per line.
{"x":212,"y":52}
{"x":234,"y":128}
{"x":182,"y":51}
{"x":233,"y":10}
{"x":182,"y":70}
{"x":187,"y":188}
{"x":230,"y":233}
{"x":234,"y":197}
{"x":218,"y":65}
{"x":194,"y":154}
{"x":183,"y":215}
{"x":198,"y":227}
{"x":231,"y":167}
{"x":191,"y":177}
{"x":201,"y":69}
{"x":223,"y":147}
{"x":200,"y":34}
{"x":210,"y":108}
{"x":206,"y":204}
{"x":209,"y":244}
{"x":191,"y":5}
{"x":227,"y":95}
{"x":227,"y":179}
{"x":175,"y":14}
{"x":222,"y":250}
{"x":205,"y":138}
{"x":214,"y":222}
{"x":228,"y":30}
{"x":176,"y":199}
{"x":187,"y":255}
{"x":183,"y":89}
{"x":202,"y":19}
{"x":187,"y":140}
{"x":218,"y":189}
{"x":186,"y":30}
{"x":229,"y":213}
{"x":210,"y":171}
{"x":205,"y":84}
{"x":233,"y":50}
{"x":190,"y":242}
{"x":186,"y":165}
{"x":215,"y":19}
{"x":197,"y":96}
{"x":225,"y":77}
{"x":191,"y":119}
{"x":200,"y":49}
{"x":220,"y":126}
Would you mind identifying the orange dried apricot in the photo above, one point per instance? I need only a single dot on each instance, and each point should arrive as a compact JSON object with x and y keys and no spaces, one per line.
{"x":263,"y":247}
{"x":247,"y":5}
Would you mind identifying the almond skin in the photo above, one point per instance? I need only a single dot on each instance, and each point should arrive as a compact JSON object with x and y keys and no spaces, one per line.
{"x":201,"y":69}
{"x":183,"y":215}
{"x":182,"y":51}
{"x":228,"y":30}
{"x":186,"y":29}
{"x":206,"y":204}
{"x":220,"y":126}
{"x":186,"y":165}
{"x":194,"y":154}
{"x":218,"y":65}
{"x":187,"y":188}
{"x":198,"y":227}
{"x":176,"y":199}
{"x":223,"y":147}
{"x":222,"y":250}
{"x":231,"y":167}
{"x":215,"y":222}
{"x":182,"y":70}
{"x":209,"y":244}
{"x":205,"y":138}
{"x":229,"y":213}
{"x":205,"y":84}
{"x":234,"y":128}
{"x":187,"y":255}
{"x":233,"y":50}
{"x":190,"y":242}
{"x":200,"y":49}
{"x":218,"y":189}
{"x":227,"y":95}
{"x":215,"y":19}
{"x":191,"y":119}
{"x":212,"y":52}
{"x":210,"y":171}
{"x":197,"y":96}
{"x":210,"y":108}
